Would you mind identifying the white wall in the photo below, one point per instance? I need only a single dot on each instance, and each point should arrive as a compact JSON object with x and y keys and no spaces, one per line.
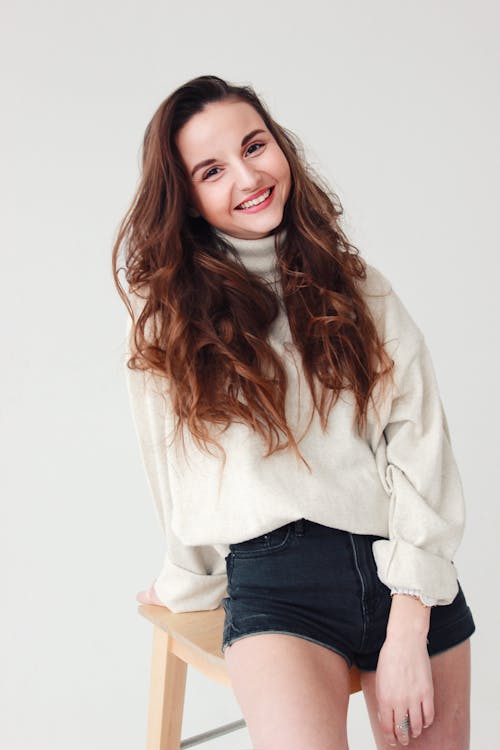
{"x":397,"y":105}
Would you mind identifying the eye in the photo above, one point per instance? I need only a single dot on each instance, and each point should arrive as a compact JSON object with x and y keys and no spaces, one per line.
{"x":255,"y":144}
{"x":208,"y":174}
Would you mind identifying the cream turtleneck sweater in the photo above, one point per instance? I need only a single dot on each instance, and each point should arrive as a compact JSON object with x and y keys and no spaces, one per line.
{"x":401,"y":481}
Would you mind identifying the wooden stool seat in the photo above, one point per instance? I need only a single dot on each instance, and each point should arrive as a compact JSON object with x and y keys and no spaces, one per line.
{"x":181,"y":639}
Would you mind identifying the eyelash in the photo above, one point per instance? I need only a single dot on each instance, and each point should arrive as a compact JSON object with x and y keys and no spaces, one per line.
{"x":212,"y":168}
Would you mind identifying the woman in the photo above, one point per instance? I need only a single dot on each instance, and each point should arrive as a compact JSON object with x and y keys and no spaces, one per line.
{"x":252,"y":318}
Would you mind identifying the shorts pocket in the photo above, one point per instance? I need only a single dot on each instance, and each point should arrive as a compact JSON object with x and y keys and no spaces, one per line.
{"x":265,"y":544}
{"x":229,"y":569}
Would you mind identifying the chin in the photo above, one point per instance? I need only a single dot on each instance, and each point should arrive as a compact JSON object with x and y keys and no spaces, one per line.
{"x":260,"y":227}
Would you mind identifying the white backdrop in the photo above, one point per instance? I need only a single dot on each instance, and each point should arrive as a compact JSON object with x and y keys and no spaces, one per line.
{"x":396,"y":103}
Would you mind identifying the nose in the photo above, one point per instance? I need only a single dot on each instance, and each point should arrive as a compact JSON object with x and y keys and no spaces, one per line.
{"x":246,"y":177}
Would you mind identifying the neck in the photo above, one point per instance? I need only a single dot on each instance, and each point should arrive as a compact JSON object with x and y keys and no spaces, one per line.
{"x":258,"y":255}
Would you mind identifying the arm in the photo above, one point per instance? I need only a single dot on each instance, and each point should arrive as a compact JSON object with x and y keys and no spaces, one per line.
{"x":192,"y":577}
{"x":427,"y":510}
{"x":426,"y":523}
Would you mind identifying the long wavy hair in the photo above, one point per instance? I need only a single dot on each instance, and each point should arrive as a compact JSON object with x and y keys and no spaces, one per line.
{"x":200,"y":319}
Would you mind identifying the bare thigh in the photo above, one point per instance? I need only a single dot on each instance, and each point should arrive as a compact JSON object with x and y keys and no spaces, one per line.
{"x":450,"y":729}
{"x":293,"y":693}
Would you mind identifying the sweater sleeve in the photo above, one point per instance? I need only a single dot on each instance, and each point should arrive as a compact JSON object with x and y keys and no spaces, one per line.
{"x":191,"y":577}
{"x":426,"y":506}
{"x":429,"y":601}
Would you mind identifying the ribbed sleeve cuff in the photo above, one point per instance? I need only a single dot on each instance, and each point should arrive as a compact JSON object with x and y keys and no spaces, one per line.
{"x":427,"y":600}
{"x":184,"y":591}
{"x":402,"y":565}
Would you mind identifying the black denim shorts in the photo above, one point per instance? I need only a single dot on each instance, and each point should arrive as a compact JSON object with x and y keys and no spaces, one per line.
{"x":321,"y":584}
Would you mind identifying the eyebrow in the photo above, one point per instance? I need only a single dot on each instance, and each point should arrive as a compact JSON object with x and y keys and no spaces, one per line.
{"x":245,"y":140}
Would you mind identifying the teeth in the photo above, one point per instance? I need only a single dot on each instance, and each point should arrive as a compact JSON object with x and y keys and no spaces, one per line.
{"x":256,"y":202}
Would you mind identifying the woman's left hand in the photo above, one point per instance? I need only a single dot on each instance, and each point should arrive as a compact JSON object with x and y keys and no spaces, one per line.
{"x":149,"y":596}
{"x":403,"y":686}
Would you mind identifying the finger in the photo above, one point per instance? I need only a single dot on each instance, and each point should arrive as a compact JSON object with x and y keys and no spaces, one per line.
{"x":154,"y":597}
{"x":387,"y":724}
{"x":415,"y":720}
{"x":402,"y":725}
{"x":142,"y":597}
{"x":428,"y":710}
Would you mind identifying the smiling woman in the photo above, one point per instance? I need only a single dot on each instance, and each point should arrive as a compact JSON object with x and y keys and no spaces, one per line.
{"x":249,"y":175}
{"x":327,"y":522}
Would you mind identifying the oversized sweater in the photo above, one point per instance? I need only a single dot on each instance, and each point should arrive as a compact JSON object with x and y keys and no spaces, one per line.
{"x":399,"y":481}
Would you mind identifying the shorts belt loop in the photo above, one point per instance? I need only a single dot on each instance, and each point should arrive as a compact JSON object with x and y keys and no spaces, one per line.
{"x":299,"y":527}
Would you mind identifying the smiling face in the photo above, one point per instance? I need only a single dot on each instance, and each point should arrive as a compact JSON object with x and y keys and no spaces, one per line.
{"x":228,"y":163}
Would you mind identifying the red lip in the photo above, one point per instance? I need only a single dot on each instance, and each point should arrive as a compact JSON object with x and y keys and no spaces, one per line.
{"x":255,"y":195}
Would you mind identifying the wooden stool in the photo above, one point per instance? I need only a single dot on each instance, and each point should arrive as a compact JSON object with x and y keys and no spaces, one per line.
{"x":181,"y":639}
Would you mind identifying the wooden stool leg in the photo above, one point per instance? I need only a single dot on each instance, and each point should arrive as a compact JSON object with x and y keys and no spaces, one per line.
{"x":166,"y":695}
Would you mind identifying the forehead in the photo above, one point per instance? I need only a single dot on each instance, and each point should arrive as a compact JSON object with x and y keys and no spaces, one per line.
{"x":219,"y":127}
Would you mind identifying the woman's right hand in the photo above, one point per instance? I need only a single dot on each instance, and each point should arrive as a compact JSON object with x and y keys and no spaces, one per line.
{"x":149,"y":596}
{"x":404,"y":687}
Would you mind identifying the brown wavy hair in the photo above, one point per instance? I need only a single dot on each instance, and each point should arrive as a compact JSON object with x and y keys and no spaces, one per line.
{"x":203,"y":318}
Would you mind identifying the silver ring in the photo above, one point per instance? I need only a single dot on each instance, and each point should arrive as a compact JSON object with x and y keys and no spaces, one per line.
{"x":404,"y":724}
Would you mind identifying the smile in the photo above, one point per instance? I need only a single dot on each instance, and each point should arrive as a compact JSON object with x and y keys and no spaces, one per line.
{"x":265,"y":196}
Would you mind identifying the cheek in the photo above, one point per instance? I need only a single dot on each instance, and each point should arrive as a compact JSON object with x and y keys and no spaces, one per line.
{"x":286,"y":176}
{"x":284,"y":169}
{"x":214,"y":201}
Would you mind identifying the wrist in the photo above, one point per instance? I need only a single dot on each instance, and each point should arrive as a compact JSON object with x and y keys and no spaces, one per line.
{"x":408,"y":614}
{"x":428,"y":601}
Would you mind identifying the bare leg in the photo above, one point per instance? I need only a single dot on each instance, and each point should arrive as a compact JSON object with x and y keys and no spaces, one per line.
{"x":450,"y":729}
{"x":293,"y":693}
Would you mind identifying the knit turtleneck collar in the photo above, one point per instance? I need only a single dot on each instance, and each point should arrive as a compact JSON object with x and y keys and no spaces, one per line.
{"x":258,"y":255}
